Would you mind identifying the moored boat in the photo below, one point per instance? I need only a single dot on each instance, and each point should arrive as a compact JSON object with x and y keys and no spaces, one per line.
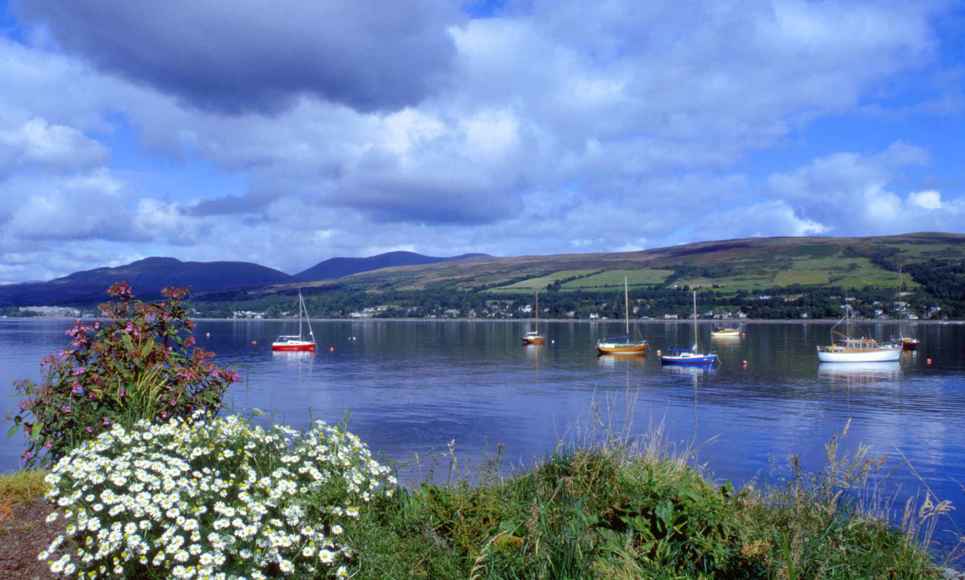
{"x":692,"y":357}
{"x":626,"y":344}
{"x":859,"y":350}
{"x":908,"y":343}
{"x":726,"y":333}
{"x":533,"y":336}
{"x":297,"y":343}
{"x":846,"y":349}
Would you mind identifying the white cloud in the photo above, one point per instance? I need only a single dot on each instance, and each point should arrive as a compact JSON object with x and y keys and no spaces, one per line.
{"x":563,"y":126}
{"x":925,"y":199}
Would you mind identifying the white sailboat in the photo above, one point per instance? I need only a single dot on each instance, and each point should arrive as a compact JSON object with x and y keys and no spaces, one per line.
{"x":297,"y":343}
{"x":846,"y":349}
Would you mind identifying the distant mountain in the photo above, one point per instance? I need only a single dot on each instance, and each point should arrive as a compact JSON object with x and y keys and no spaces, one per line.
{"x":338,"y":267}
{"x":147,"y":277}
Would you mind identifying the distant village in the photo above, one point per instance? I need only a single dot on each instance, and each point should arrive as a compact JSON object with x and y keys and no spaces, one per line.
{"x":753,"y":306}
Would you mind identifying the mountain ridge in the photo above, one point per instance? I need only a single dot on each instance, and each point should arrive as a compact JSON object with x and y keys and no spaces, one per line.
{"x":339,"y":267}
{"x":731,"y":265}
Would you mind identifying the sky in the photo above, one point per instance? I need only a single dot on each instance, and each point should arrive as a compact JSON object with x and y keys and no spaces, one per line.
{"x":291,"y":131}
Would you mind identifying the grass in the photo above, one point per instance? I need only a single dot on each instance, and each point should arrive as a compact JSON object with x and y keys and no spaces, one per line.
{"x":620,"y":511}
{"x":627,"y":509}
{"x":22,"y":486}
{"x":614,"y":278}
{"x":541,"y":282}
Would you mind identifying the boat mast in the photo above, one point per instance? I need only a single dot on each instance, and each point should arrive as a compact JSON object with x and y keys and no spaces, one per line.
{"x":626,"y":306}
{"x":300,"y":302}
{"x":303,"y":308}
{"x":695,"y":321}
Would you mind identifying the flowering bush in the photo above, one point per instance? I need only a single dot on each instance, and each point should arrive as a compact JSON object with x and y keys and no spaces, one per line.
{"x":141,"y":363}
{"x":210,"y":498}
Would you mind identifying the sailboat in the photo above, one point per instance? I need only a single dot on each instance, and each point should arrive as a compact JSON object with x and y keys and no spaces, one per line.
{"x":692,"y":356}
{"x":906,"y":342}
{"x":623,"y":345}
{"x":845,"y":349}
{"x":724,"y":332}
{"x":533,"y":336}
{"x":299,"y":343}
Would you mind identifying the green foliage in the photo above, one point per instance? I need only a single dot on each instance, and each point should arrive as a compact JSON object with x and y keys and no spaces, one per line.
{"x":141,"y":363}
{"x":606,"y":514}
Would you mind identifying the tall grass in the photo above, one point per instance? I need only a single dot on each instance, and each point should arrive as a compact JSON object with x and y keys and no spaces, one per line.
{"x":607,"y":505}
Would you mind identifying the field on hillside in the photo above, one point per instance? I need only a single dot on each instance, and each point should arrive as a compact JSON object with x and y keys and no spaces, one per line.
{"x":729,"y":266}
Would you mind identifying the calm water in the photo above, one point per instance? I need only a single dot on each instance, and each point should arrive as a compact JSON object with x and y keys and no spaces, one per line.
{"x":412,"y":387}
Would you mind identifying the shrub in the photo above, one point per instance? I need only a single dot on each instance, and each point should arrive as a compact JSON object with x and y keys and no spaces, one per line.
{"x":138,"y":364}
{"x":213,"y":496}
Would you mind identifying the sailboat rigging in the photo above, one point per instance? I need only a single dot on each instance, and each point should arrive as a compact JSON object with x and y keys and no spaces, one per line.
{"x":692,"y":356}
{"x":623,"y":345}
{"x":297,"y":343}
{"x":844,"y":348}
{"x":533,"y":336}
{"x":906,"y":342}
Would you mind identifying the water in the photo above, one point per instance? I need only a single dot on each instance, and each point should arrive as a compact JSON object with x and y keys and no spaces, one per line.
{"x":409,"y":388}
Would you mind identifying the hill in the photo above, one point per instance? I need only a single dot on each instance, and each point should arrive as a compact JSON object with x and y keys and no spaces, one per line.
{"x":731,"y":265}
{"x":147,"y":276}
{"x":333,"y":268}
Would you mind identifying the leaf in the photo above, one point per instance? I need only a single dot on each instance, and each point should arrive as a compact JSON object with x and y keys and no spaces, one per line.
{"x":664,"y":512}
{"x":35,"y":432}
{"x":147,"y":348}
{"x":13,"y":429}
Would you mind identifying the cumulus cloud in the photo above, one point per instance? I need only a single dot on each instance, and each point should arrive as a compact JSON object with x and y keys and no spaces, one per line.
{"x":39,"y":145}
{"x":853,"y":193}
{"x":365,"y":54}
{"x":925,"y":199}
{"x":346,"y":129}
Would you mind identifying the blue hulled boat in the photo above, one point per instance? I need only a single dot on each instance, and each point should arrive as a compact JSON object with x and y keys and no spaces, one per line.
{"x":690,"y":357}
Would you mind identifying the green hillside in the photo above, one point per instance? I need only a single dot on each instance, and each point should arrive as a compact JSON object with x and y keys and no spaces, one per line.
{"x":745,"y":264}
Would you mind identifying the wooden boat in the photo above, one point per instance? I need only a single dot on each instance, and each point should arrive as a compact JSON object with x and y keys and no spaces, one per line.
{"x":846,"y":349}
{"x":692,"y":357}
{"x":297,"y":343}
{"x":623,"y":345}
{"x":533,"y":336}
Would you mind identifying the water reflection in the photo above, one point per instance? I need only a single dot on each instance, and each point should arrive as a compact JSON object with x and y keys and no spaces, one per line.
{"x":611,"y":361}
{"x":860,"y":373}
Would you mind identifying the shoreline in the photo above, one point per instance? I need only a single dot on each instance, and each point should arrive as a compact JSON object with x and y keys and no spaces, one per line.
{"x":731,"y":321}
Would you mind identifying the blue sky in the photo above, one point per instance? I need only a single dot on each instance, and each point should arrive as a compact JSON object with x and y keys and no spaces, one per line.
{"x":290,"y":133}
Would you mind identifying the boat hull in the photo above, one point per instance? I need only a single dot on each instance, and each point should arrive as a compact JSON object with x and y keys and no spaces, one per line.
{"x":877,"y":355}
{"x":534,"y":340}
{"x":693,"y":361}
{"x":621,"y":349}
{"x":909,"y":344}
{"x":305,"y":347}
{"x":725,"y":335}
